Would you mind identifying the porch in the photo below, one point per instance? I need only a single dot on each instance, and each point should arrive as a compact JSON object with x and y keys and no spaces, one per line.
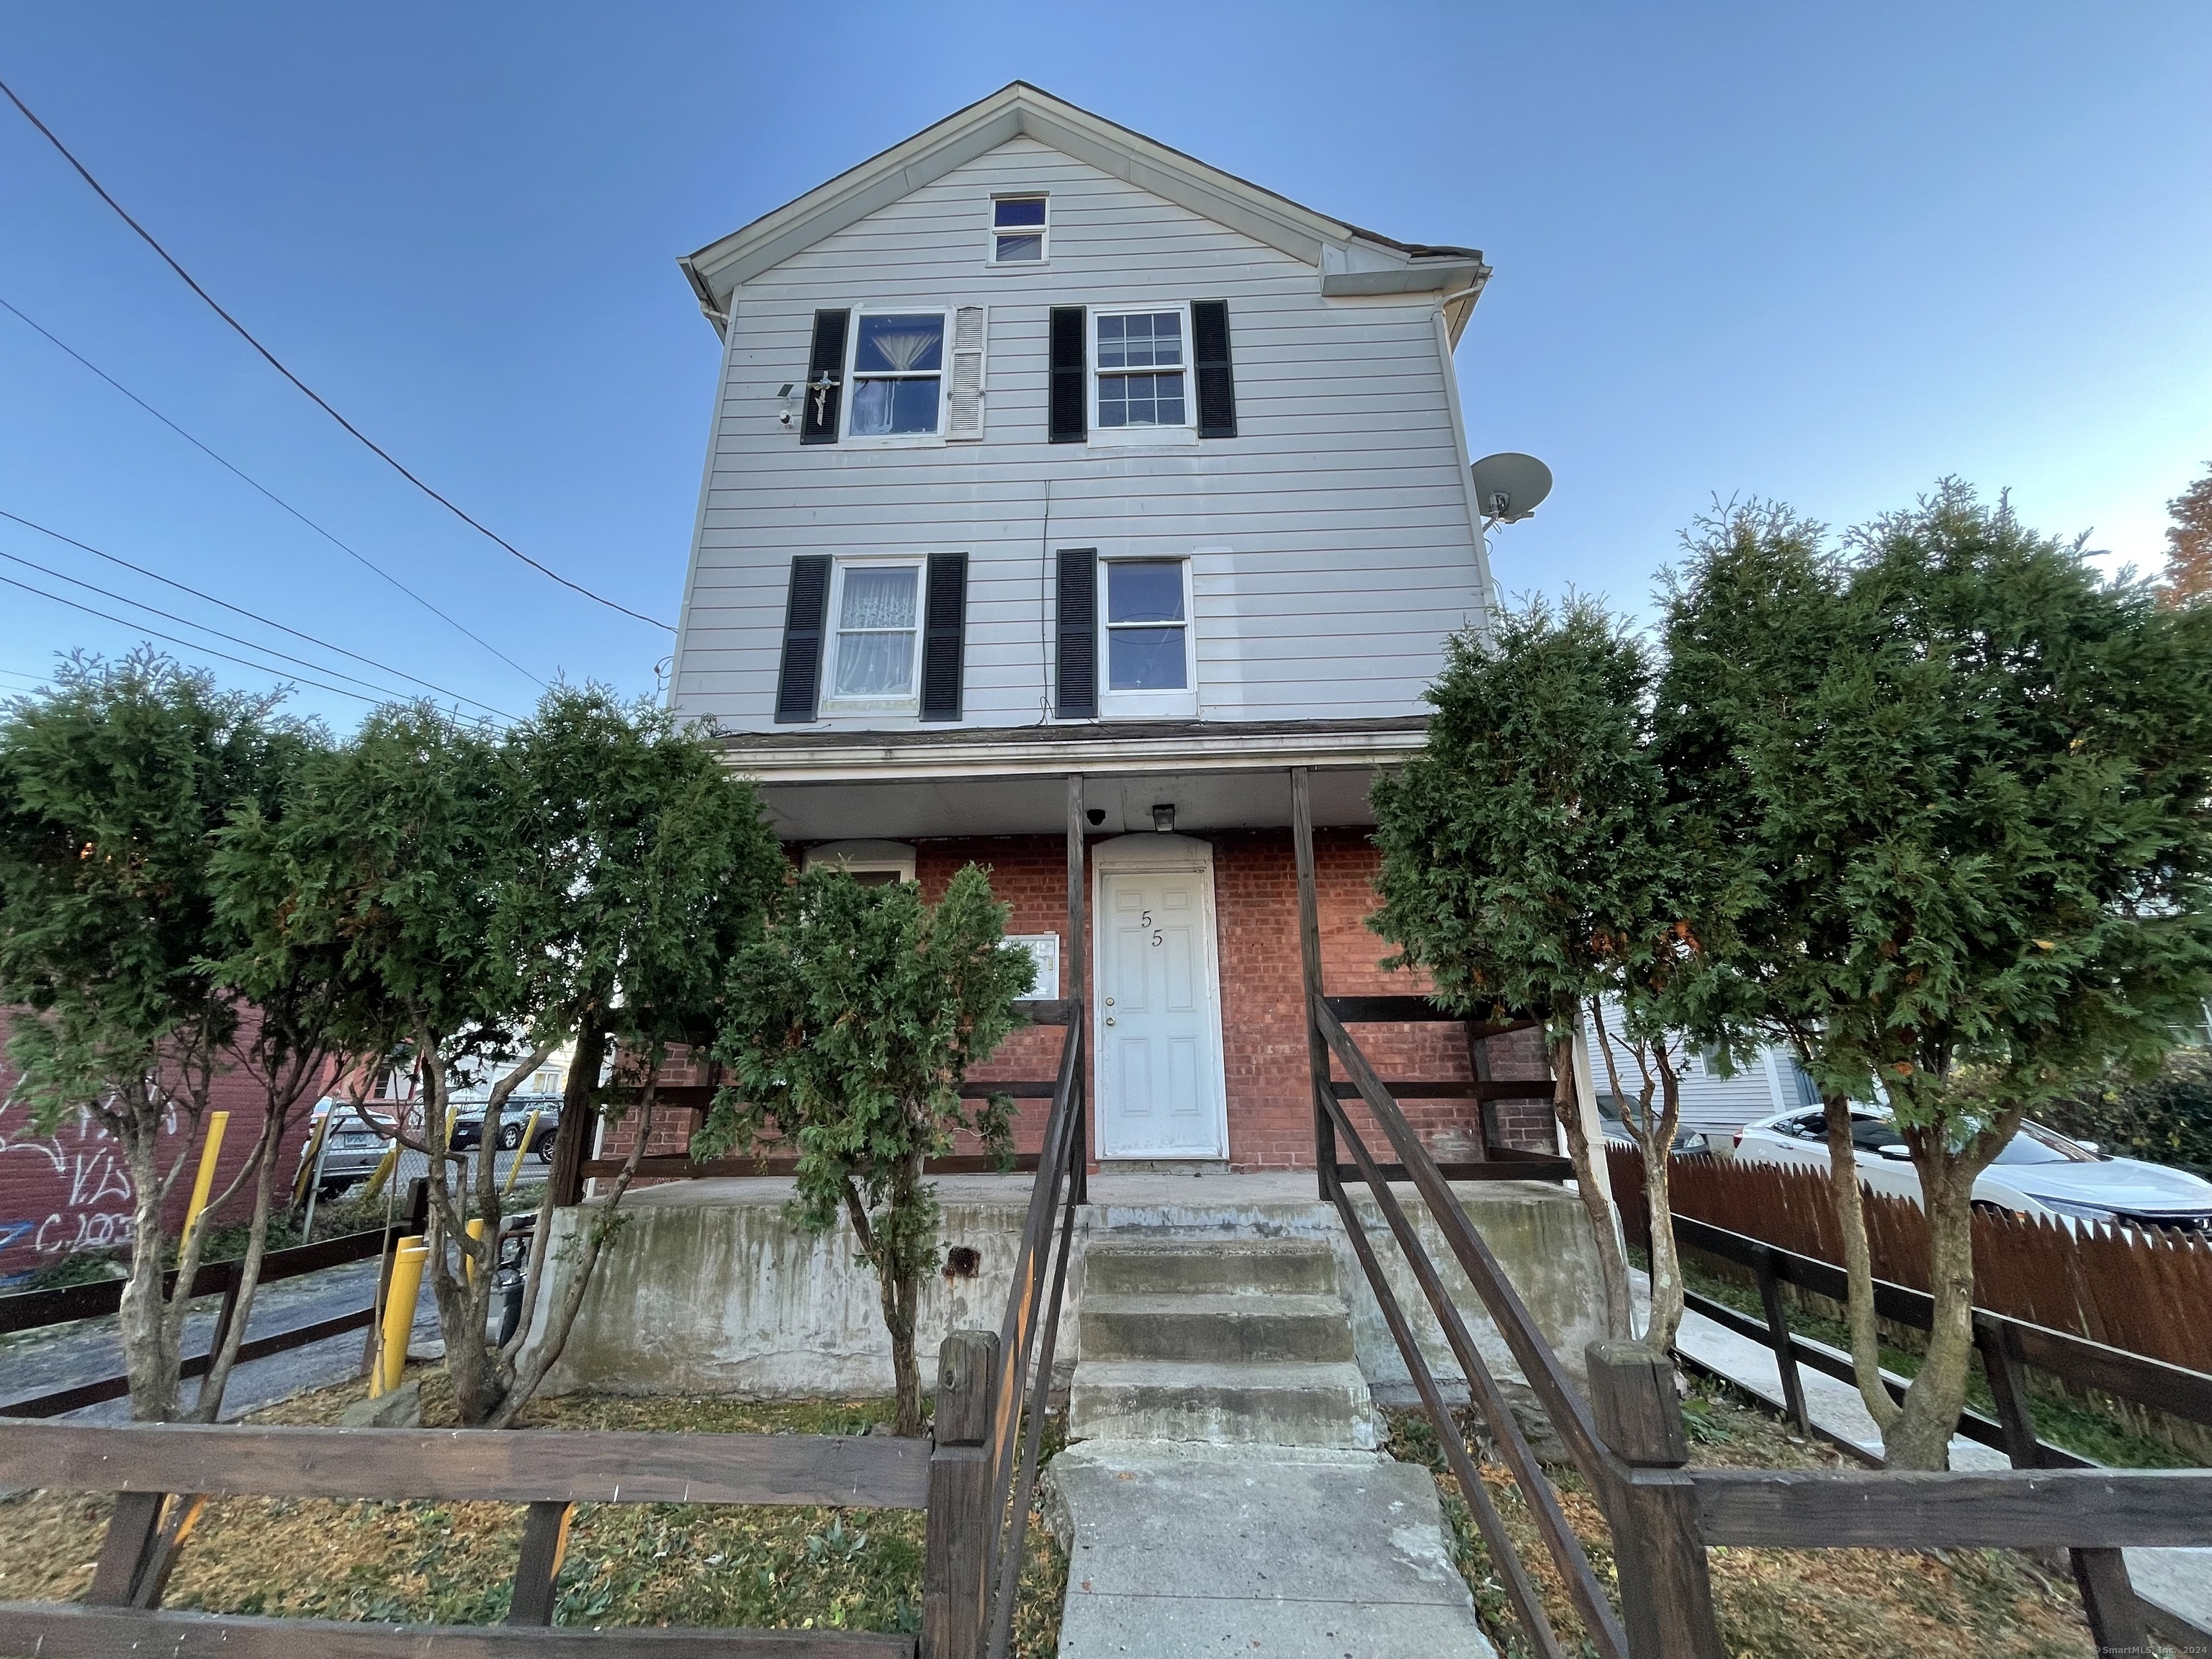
{"x":1197,"y":1047}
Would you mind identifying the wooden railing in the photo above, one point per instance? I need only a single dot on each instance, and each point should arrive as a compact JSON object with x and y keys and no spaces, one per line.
{"x":1029,"y":1330}
{"x":2008,"y":1347}
{"x":1664,"y":1515}
{"x":698,"y":1098}
{"x":1540,"y":1367}
{"x":36,"y":1310}
{"x":146,"y":1465}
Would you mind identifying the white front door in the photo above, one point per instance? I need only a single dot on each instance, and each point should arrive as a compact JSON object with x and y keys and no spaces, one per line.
{"x":1160,"y":1090}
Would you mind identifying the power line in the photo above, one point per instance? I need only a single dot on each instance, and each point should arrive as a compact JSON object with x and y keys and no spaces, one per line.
{"x":189,"y":645}
{"x":187,"y":621}
{"x":183,"y":587}
{"x":350,"y":552}
{"x":384,"y":455}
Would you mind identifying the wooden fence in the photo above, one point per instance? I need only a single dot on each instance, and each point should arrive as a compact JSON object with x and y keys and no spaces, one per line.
{"x":28,"y":1311}
{"x":147,"y":1465}
{"x":2148,"y":1291}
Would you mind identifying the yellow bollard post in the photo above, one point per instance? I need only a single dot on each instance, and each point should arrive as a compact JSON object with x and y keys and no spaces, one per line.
{"x":468,"y":1257}
{"x":521,"y":1151}
{"x":399,"y":1311}
{"x":204,"y":1185}
{"x":381,"y":1174}
{"x":308,"y":1154}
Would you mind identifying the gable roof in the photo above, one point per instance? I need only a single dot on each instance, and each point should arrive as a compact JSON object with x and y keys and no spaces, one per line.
{"x":1351,"y":261}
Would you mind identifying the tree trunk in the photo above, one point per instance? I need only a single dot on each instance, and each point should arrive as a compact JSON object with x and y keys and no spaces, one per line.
{"x":465,"y":1302}
{"x":149,"y":1357}
{"x":1666,"y":1261}
{"x":900,"y":1292}
{"x":1858,"y":1263}
{"x":1919,"y":1437}
{"x":526,"y":1378}
{"x":207,"y":1405}
{"x":1612,"y":1265}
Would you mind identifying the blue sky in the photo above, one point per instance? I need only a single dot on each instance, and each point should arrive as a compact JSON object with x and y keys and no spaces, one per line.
{"x":1825,"y":255}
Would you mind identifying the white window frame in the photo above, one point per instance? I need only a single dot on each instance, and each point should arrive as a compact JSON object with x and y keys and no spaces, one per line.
{"x":1186,"y":432}
{"x":1181,"y":702}
{"x":864,"y":858}
{"x":833,"y":634}
{"x":1044,"y":231}
{"x":853,"y":377}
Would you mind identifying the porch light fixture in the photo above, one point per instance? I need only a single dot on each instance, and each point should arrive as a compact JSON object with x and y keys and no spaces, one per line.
{"x":1164,"y":819}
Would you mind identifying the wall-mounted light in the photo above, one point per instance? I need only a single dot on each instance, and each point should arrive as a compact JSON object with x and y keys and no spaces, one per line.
{"x":1164,"y":819}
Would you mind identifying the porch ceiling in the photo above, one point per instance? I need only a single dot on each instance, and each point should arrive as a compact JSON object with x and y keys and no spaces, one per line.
{"x":1218,"y":774}
{"x":905,"y":809}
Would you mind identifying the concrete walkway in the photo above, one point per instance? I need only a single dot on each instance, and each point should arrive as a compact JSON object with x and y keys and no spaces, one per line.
{"x":2177,"y":1583}
{"x":1177,"y":1550}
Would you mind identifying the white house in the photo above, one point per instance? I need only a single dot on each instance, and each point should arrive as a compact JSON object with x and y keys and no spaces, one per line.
{"x":1041,"y":451}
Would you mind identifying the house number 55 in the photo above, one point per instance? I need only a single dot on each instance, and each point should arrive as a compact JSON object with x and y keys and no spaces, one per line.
{"x":1146,"y":920}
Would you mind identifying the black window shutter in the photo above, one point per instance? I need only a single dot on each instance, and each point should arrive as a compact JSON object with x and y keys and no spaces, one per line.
{"x":1078,"y":698}
{"x":945,"y":637}
{"x":825,"y":377}
{"x":1070,"y":397}
{"x":800,"y":678}
{"x":1217,"y":380}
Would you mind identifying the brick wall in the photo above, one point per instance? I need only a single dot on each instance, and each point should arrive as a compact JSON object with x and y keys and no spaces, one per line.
{"x":71,"y":1191}
{"x":1263,"y":1033}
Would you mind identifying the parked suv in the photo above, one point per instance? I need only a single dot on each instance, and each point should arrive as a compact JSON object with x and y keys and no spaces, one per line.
{"x":2039,"y":1172}
{"x":469,"y":1124}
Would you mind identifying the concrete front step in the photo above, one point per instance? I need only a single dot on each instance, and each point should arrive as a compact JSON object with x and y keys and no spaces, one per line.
{"x":1236,"y":1329}
{"x":1286,"y":1404}
{"x":1209,"y":1267}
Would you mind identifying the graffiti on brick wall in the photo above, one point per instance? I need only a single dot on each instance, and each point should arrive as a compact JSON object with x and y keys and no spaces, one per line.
{"x":61,"y":1192}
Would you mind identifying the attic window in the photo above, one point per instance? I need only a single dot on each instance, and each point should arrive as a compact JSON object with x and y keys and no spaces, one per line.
{"x":1017,"y":230}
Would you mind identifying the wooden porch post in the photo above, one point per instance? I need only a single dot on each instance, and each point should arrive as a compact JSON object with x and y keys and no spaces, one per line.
{"x":1309,"y":966}
{"x":1073,"y":987}
{"x":571,"y":1142}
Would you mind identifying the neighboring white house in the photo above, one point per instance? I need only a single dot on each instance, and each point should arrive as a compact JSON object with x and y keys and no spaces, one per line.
{"x":1042,"y":450}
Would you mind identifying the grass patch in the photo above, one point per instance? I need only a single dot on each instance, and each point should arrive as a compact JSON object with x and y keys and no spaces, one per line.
{"x":1772,"y":1604}
{"x":629,"y":1564}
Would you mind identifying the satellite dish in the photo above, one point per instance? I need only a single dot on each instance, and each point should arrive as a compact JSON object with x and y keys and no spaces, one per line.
{"x":1510,"y":486}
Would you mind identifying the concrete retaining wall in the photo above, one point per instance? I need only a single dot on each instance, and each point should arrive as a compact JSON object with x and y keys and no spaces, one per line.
{"x":722,"y":1294}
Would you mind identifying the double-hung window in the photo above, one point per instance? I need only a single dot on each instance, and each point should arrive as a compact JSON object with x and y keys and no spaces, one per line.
{"x":897,"y":375}
{"x":1146,"y":613}
{"x":875,"y":611}
{"x":1018,"y":229}
{"x":1140,"y":363}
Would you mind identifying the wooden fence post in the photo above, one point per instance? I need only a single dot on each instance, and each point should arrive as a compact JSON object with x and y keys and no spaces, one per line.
{"x":537,"y":1571}
{"x":1665,"y":1590}
{"x":1785,"y":1355}
{"x":2115,"y":1616}
{"x":962,"y":1523}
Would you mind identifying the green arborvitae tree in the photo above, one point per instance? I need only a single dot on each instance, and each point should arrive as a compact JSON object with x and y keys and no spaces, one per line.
{"x":1974,"y":782}
{"x":112,"y":787}
{"x":587,"y":874}
{"x":850,"y":1026}
{"x":1530,"y":865}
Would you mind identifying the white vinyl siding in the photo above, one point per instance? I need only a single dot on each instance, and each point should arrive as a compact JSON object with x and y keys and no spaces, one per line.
{"x":1330,"y":546}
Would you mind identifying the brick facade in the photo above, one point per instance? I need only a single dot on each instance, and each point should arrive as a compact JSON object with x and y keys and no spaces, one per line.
{"x":70,"y":1191}
{"x":1263,"y":1036}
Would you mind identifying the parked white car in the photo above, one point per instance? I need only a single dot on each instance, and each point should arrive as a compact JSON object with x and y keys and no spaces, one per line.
{"x":2039,"y":1172}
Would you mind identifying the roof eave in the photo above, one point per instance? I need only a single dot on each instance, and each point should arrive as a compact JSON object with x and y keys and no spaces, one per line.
{"x":1019,"y":109}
